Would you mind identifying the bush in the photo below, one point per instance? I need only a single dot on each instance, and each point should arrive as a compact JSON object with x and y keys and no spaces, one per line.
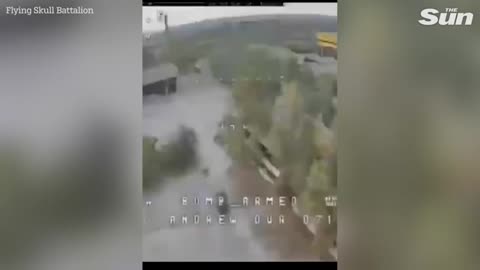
{"x":171,"y":160}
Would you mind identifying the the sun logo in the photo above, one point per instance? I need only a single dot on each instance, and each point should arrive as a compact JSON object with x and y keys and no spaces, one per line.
{"x":432,"y":16}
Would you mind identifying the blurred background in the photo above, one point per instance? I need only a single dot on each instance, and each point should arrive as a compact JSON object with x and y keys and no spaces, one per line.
{"x":70,"y":136}
{"x":408,"y":127}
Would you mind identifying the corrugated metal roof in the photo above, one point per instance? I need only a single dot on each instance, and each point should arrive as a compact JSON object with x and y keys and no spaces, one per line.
{"x":157,"y":73}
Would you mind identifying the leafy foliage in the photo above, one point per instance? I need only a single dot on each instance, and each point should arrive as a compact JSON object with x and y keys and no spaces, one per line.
{"x":172,"y":159}
{"x":290,"y":114}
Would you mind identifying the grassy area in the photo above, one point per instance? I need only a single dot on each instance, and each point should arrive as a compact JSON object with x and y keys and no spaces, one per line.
{"x":185,"y":55}
{"x":300,"y":46}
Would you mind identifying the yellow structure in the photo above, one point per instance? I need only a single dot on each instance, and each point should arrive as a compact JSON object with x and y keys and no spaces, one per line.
{"x":327,"y":42}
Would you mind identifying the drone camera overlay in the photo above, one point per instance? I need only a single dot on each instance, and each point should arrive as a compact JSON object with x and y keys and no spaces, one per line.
{"x":239,"y":151}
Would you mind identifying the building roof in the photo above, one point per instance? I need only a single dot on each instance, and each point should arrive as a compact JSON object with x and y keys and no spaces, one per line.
{"x":160,"y":72}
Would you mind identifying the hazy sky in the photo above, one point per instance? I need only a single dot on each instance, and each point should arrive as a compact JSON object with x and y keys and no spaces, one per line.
{"x":182,"y":15}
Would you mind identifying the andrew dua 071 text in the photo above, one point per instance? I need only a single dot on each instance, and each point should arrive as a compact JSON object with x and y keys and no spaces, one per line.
{"x":246,"y":202}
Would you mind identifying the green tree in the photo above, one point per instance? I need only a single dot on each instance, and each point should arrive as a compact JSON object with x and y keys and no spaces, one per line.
{"x":172,"y":159}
